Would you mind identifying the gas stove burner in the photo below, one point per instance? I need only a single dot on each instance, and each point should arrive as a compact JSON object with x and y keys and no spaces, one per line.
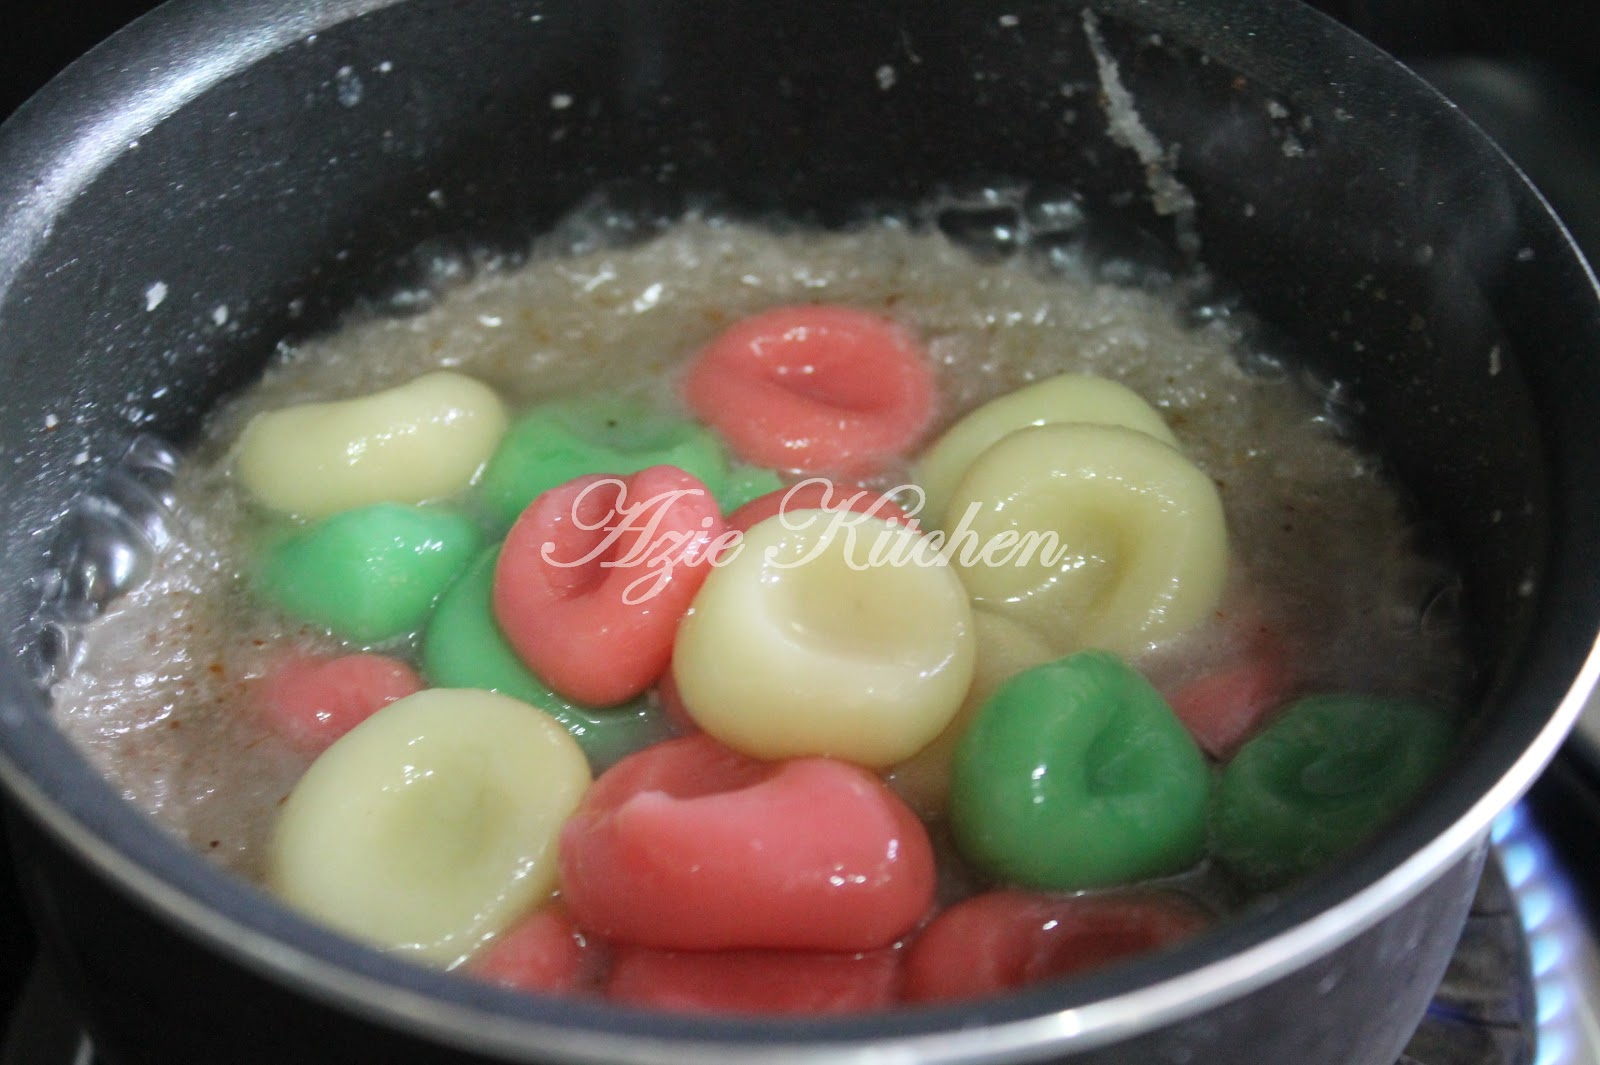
{"x":1563,"y":952}
{"x":1520,"y":990}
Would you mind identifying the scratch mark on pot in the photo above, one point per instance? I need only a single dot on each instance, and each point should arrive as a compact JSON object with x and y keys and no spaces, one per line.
{"x":905,"y":42}
{"x":348,"y":85}
{"x":1168,"y":195}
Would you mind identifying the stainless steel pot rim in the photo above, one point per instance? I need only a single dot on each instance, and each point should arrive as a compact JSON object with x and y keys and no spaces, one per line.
{"x":151,"y":91}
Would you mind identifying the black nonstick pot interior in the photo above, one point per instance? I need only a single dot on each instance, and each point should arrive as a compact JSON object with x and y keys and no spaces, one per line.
{"x":287,"y":160}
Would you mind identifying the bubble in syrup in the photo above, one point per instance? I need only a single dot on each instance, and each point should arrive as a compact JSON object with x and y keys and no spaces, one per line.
{"x":1051,"y":211}
{"x":989,"y":233}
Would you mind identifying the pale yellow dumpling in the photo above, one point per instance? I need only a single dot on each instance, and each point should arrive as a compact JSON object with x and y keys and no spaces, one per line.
{"x":432,"y":825}
{"x":846,"y":636}
{"x":1065,"y":398}
{"x":425,"y":439}
{"x":1093,"y":535}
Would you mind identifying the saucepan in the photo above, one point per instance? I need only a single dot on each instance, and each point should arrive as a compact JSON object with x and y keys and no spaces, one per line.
{"x":286,"y":158}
